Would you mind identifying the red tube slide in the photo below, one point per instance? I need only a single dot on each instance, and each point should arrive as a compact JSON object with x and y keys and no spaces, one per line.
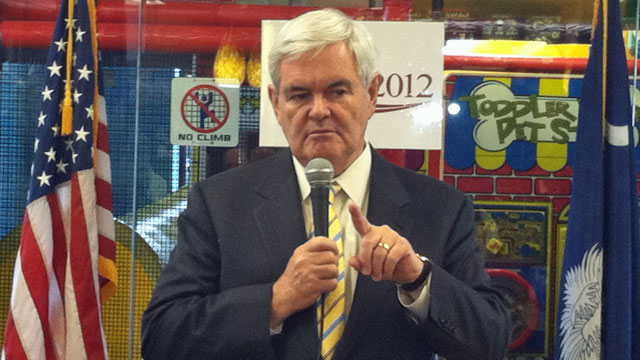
{"x":186,"y":13}
{"x":121,"y":37}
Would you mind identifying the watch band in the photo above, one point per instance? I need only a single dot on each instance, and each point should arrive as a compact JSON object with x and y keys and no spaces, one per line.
{"x":426,"y":270}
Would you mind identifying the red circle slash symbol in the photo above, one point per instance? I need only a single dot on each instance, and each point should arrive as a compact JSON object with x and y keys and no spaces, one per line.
{"x":205,"y":108}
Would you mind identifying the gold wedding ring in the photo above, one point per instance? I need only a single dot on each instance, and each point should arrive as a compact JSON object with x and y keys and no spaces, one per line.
{"x":384,"y":246}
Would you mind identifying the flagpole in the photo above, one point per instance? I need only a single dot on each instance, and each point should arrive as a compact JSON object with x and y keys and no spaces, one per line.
{"x":605,"y":50}
{"x":635,"y":67}
{"x":135,"y":181}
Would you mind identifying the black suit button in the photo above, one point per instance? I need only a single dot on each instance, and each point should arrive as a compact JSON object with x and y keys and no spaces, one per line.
{"x":446,"y":324}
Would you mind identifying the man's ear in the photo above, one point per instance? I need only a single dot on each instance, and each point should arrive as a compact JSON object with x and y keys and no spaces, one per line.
{"x":374,"y":87}
{"x":273,"y":96}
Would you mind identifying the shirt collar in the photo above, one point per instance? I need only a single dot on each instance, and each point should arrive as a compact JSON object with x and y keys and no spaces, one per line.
{"x":354,"y":180}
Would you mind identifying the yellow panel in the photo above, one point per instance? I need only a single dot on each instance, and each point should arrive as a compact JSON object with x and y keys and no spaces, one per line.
{"x":424,"y":169}
{"x":562,"y":240}
{"x":116,"y":309}
{"x":195,"y":170}
{"x":8,"y":250}
{"x":554,"y":87}
{"x":504,"y":80}
{"x":564,"y":214}
{"x":490,"y":160}
{"x":551,"y":156}
{"x":464,"y":47}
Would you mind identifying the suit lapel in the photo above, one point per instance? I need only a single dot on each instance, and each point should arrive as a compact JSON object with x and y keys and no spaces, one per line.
{"x":279,"y":217}
{"x":281,"y":225}
{"x":386,"y":200}
{"x":387,"y":197}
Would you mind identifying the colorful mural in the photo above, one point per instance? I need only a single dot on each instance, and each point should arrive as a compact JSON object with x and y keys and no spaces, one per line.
{"x":509,"y":142}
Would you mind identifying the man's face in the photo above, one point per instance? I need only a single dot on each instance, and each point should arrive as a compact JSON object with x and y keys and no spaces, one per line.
{"x":323,"y":106}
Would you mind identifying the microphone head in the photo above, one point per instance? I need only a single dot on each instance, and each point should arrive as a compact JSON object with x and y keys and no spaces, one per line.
{"x":319,"y":171}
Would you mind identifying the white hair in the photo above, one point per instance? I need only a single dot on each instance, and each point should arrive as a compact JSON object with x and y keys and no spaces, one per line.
{"x":317,"y":29}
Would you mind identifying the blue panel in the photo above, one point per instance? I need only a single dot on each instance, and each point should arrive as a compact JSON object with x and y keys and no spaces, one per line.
{"x":20,"y":87}
{"x":537,"y":277}
{"x":637,"y":126}
{"x":522,"y":155}
{"x":575,"y":90}
{"x":459,"y":146}
{"x":154,"y":159}
{"x":525,"y":86}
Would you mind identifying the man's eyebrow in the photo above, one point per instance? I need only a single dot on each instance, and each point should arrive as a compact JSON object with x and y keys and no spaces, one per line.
{"x":340,"y":83}
{"x":295,"y":88}
{"x":301,"y":88}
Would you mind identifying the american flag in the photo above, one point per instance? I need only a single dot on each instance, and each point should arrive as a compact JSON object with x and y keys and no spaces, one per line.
{"x":66,"y":262}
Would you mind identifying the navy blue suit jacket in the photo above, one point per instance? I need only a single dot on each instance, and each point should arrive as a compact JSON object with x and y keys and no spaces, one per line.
{"x":241,"y":227}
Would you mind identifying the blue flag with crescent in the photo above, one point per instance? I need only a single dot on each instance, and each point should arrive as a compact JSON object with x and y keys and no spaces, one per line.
{"x":599,"y":302}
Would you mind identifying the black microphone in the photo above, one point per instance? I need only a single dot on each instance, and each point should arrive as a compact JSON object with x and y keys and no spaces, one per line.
{"x":319,"y":172}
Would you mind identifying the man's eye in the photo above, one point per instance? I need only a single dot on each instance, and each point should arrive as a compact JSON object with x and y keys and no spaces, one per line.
{"x":339,"y":93}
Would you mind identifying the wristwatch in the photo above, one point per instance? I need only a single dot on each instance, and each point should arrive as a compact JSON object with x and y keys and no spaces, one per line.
{"x":426,"y":270}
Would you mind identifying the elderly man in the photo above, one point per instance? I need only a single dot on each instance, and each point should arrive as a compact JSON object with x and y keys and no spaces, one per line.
{"x":247,"y":281}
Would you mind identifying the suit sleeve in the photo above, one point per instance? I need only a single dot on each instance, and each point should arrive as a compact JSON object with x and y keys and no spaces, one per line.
{"x":189,"y":316}
{"x":467,"y":318}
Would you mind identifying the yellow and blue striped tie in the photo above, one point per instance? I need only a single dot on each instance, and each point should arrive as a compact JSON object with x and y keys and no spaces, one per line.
{"x":332,"y":314}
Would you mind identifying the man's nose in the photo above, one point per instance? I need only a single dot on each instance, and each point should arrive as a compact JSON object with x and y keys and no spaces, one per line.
{"x":319,"y":108}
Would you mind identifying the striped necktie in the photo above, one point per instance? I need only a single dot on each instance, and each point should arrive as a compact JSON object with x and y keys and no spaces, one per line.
{"x":331,"y":316}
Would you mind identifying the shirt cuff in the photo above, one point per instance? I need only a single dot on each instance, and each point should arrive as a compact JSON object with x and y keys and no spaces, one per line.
{"x":417,"y":301}
{"x":275,"y":330}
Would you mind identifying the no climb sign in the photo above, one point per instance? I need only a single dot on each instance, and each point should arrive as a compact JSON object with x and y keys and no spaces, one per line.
{"x":204,"y":113}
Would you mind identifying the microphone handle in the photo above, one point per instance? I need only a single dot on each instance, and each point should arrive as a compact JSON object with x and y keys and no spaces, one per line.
{"x":320,"y":205}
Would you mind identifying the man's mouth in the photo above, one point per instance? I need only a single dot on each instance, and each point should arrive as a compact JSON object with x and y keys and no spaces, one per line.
{"x":321,"y":132}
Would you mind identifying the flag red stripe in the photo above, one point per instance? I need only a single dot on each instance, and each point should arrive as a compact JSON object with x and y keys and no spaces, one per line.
{"x":59,"y":241}
{"x":103,"y":138}
{"x":35,"y":274}
{"x":104,"y":197}
{"x":82,"y":275}
{"x":107,"y":247}
{"x":12,"y":345}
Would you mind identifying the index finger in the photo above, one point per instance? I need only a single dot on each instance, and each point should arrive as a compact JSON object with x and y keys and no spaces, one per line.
{"x":364,"y":227}
{"x":360,"y":222}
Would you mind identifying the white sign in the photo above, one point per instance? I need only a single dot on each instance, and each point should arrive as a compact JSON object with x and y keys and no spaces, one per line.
{"x":409,"y":111}
{"x":204,"y":113}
